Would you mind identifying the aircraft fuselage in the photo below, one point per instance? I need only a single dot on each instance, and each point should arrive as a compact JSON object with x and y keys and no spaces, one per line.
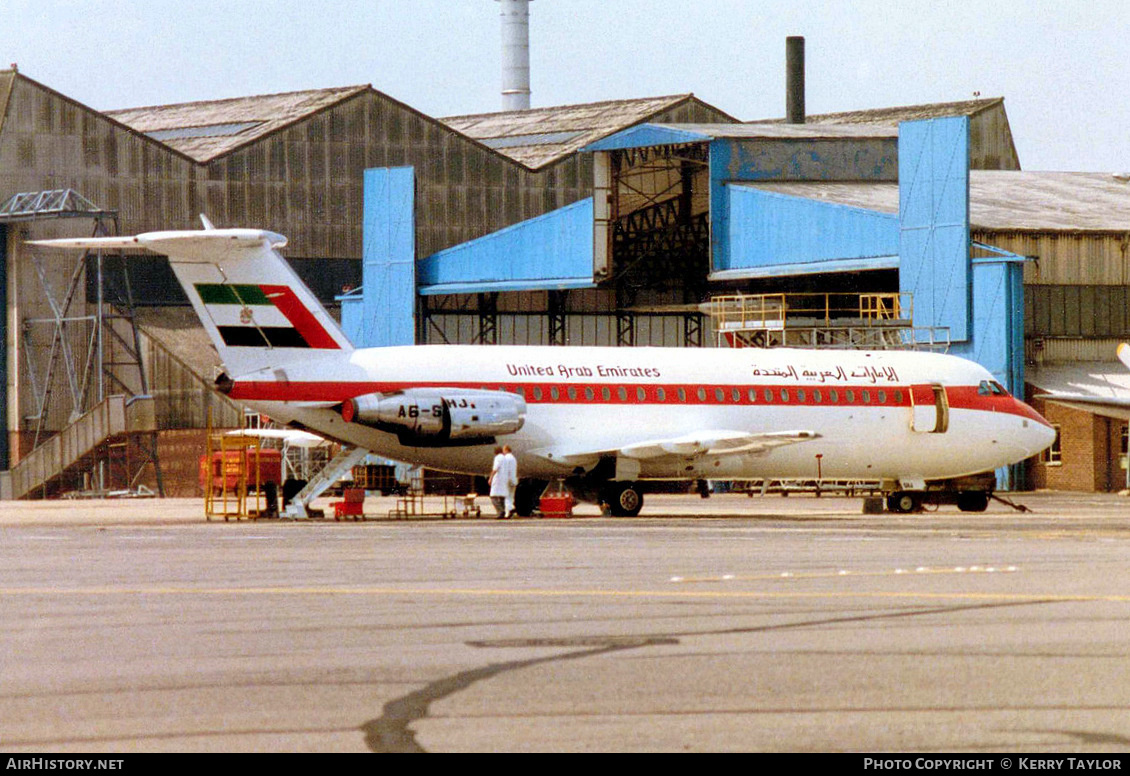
{"x":873,"y":414}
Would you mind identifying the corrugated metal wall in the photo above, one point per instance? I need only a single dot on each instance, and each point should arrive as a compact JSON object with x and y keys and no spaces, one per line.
{"x":1069,"y":258}
{"x":1077,"y":311}
{"x":183,"y":399}
{"x":4,"y":412}
{"x":51,"y":142}
{"x":990,"y":141}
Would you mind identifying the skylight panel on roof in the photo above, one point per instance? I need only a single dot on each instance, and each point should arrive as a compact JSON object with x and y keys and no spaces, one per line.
{"x":541,"y":138}
{"x":209,"y":130}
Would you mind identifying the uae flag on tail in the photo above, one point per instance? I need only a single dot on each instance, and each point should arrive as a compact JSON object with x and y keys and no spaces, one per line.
{"x":262,"y":316}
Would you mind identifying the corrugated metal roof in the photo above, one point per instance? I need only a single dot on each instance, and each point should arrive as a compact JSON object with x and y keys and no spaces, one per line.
{"x":186,"y":127}
{"x":1002,"y":200}
{"x":1099,"y":387}
{"x":545,"y":127}
{"x":1097,"y":379}
{"x":892,"y":116}
{"x":770,"y":130}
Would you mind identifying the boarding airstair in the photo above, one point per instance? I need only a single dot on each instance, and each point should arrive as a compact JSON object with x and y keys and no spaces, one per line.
{"x":343,"y":462}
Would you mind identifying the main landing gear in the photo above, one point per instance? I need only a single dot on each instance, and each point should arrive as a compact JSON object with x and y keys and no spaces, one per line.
{"x":621,"y":498}
{"x":969,"y":494}
{"x":624,"y":499}
{"x":915,"y":501}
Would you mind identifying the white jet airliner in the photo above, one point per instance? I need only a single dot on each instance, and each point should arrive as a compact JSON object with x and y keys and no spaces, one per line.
{"x":603,"y":419}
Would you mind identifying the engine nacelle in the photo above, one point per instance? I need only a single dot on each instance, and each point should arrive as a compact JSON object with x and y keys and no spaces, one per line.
{"x":435,"y":415}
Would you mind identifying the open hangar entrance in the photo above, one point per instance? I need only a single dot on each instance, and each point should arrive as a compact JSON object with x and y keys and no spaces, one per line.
{"x":682,"y":215}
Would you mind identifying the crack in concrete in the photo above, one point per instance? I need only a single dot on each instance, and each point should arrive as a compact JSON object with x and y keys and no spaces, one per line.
{"x":392,"y":732}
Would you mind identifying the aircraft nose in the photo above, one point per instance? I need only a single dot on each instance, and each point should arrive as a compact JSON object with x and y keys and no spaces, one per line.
{"x":1038,"y":433}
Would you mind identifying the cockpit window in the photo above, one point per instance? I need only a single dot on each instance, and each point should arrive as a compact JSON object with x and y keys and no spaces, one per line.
{"x":991,"y":388}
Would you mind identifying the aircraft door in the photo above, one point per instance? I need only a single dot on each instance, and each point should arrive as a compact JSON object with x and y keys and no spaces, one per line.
{"x":930,"y":408}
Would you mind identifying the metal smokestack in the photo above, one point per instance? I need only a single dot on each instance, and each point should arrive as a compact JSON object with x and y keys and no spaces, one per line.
{"x":515,"y":54}
{"x":794,"y":79}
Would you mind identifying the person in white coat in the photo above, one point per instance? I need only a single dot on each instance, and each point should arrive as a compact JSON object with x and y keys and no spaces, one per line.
{"x":510,"y":466}
{"x":498,"y":483}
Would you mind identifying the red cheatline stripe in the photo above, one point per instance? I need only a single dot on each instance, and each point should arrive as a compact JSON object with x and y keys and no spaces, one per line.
{"x":302,"y":319}
{"x":960,"y":397}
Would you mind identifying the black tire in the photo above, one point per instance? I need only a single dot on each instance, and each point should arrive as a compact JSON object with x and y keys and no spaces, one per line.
{"x":902,"y":502}
{"x":624,"y":499}
{"x":973,"y":501}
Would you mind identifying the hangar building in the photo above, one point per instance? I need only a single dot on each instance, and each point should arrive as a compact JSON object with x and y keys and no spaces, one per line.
{"x":619,"y":207}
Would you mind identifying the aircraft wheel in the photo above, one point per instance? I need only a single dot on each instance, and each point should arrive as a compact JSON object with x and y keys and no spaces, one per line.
{"x":624,"y":499}
{"x":973,"y":501}
{"x":902,"y":502}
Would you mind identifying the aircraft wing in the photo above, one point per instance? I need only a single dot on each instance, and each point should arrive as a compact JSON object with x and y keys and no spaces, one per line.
{"x":694,"y":445}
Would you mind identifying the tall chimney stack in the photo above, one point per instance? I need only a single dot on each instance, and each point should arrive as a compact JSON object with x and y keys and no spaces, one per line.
{"x":515,"y":54}
{"x":794,"y":79}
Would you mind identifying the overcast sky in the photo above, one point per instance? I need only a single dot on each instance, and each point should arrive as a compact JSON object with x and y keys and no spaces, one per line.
{"x":1062,"y":66}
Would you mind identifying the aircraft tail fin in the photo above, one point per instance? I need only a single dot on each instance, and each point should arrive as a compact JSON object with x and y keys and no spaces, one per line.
{"x":257,"y":311}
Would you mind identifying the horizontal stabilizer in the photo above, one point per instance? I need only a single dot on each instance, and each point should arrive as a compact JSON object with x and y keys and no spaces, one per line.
{"x":259,"y":315}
